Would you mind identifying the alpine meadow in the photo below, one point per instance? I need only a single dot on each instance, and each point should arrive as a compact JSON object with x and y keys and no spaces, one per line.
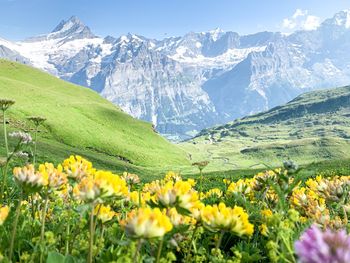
{"x":143,"y":135}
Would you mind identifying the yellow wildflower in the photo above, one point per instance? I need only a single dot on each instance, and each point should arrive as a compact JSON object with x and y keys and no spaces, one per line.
{"x":146,"y":223}
{"x":56,"y":178}
{"x":178,"y":219}
{"x":135,"y":197}
{"x":130,"y":178}
{"x":196,"y":210}
{"x":104,"y":213}
{"x":264,"y":230}
{"x":27,"y":177}
{"x":152,"y":187}
{"x":226,"y":181}
{"x":4,"y":212}
{"x":180,"y":194}
{"x":215,"y":192}
{"x":241,"y":186}
{"x":266,"y":213}
{"x":111,"y":184}
{"x":101,"y":185}
{"x":77,"y":167}
{"x":219,"y":217}
{"x":87,"y":189}
{"x":172,"y":176}
{"x":303,"y":219}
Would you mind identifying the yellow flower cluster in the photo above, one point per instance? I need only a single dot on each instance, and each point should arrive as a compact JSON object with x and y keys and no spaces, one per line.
{"x":100,"y":185}
{"x":180,"y":193}
{"x":249,"y":186}
{"x":152,"y":187}
{"x":4,"y":212}
{"x":222,"y":218}
{"x":139,"y":198}
{"x":89,"y":184}
{"x":266,"y":216}
{"x":178,"y":219}
{"x":172,"y":176}
{"x":55,"y":176}
{"x":316,"y":200}
{"x":27,"y":177}
{"x":77,"y":167}
{"x":241,"y":186}
{"x":214,"y":192}
{"x":130,"y":178}
{"x":147,"y":223}
{"x":104,"y":213}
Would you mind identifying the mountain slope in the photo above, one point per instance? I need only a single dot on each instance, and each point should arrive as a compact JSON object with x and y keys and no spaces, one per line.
{"x":79,"y":120}
{"x":313,"y":127}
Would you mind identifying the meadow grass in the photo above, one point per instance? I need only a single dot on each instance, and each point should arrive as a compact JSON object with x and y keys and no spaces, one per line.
{"x":81,"y":121}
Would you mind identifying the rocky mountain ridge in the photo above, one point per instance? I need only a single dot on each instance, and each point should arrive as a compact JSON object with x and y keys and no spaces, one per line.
{"x":188,"y":83}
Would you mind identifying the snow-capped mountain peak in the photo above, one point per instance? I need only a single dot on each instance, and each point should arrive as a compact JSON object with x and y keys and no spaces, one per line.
{"x":341,"y":19}
{"x":216,"y":33}
{"x":68,"y":24}
{"x":69,"y":29}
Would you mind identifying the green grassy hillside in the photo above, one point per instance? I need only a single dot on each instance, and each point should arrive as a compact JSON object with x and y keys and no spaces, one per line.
{"x":313,"y":127}
{"x":80,"y":121}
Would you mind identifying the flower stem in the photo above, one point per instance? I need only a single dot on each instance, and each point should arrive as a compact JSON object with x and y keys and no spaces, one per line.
{"x":4,"y":174}
{"x":5,"y":134}
{"x":289,"y":249}
{"x":98,"y":212}
{"x":160,"y":250}
{"x":138,"y":247}
{"x":42,"y":233}
{"x":92,"y":230}
{"x":193,"y":243}
{"x":33,"y":206}
{"x":218,"y":242}
{"x":200,"y":182}
{"x":67,"y":234}
{"x":4,"y":182}
{"x":15,"y":223}
{"x":35,"y":140}
{"x":345,"y":215}
{"x":139,"y":205}
{"x":193,"y":240}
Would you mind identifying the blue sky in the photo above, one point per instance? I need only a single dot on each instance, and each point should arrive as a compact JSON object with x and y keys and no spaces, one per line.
{"x":161,"y":18}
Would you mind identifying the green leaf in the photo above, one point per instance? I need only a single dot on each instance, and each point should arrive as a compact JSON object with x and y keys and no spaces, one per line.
{"x":55,"y":257}
{"x":69,"y":259}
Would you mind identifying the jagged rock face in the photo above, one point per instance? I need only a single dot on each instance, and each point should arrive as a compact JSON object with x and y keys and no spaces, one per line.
{"x":289,"y":65}
{"x":151,"y":86}
{"x":184,"y":84}
{"x":66,"y":30}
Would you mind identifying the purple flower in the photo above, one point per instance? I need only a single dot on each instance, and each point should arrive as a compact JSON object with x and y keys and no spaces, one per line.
{"x":315,"y":246}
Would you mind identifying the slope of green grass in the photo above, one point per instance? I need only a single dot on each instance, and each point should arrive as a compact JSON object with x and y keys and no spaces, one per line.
{"x":80,"y":121}
{"x":313,"y":127}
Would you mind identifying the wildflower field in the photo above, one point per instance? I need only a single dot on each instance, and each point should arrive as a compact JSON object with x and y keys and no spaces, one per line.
{"x":73,"y":212}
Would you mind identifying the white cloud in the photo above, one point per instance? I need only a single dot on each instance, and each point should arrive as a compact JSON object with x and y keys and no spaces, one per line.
{"x":288,"y":23}
{"x":300,"y":20}
{"x":299,"y":12}
{"x":311,"y":22}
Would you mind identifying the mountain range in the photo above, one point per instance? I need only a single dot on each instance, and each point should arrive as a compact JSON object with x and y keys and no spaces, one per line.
{"x":185,"y":84}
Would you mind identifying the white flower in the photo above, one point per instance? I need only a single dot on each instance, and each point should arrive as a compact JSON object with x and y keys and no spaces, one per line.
{"x":25,"y":138}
